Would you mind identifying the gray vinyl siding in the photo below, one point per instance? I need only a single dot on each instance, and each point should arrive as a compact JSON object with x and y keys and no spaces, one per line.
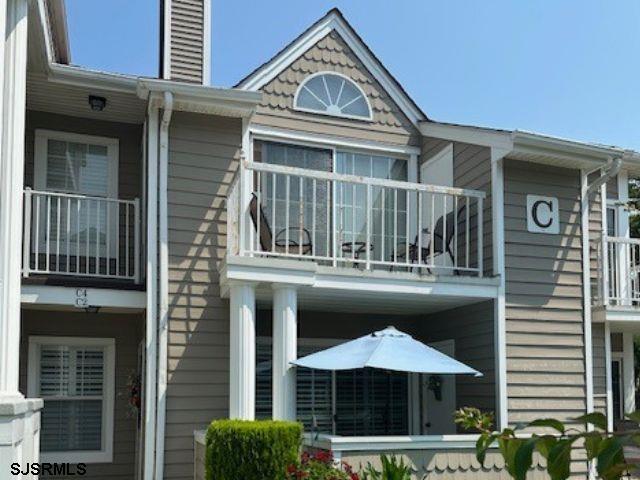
{"x":472,"y":170}
{"x":127,"y":329}
{"x":331,"y":53}
{"x":202,"y":160}
{"x":544,"y":310}
{"x":129,"y":137}
{"x":472,"y":329}
{"x":187,"y":40}
{"x":599,"y":368}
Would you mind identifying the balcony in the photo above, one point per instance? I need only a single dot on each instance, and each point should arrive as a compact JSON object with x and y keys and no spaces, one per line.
{"x":355,"y":221}
{"x":81,"y":236}
{"x":617,"y":287}
{"x":338,"y":234}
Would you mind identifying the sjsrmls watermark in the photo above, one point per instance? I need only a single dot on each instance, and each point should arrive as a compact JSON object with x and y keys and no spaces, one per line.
{"x":51,"y":469}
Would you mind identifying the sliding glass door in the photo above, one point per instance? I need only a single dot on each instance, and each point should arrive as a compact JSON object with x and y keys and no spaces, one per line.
{"x":295,"y":206}
{"x":388,"y":206}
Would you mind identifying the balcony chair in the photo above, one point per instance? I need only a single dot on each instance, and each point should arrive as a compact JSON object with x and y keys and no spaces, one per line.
{"x":439,"y":246}
{"x":266,"y":236}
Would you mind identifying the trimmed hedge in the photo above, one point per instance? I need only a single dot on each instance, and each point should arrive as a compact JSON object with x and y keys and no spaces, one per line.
{"x":251,"y":450}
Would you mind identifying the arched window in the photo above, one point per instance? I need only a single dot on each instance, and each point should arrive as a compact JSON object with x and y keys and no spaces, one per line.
{"x":332,"y":94}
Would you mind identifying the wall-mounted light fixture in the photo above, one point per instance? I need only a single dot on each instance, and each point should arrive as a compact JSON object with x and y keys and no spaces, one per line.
{"x":97,"y":103}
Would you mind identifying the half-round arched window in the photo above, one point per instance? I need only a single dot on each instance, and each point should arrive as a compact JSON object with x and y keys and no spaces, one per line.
{"x":332,"y":94}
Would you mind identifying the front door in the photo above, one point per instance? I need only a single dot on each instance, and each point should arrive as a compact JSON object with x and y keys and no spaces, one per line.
{"x":616,"y":387}
{"x":439,"y":397}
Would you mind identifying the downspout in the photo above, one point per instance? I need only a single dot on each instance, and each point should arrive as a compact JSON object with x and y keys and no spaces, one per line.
{"x":163,"y":314}
{"x":608,"y":172}
{"x":152,"y":297}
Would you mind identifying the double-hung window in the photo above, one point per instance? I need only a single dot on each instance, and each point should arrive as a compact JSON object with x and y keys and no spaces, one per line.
{"x":75,"y":378}
{"x":78,"y":172}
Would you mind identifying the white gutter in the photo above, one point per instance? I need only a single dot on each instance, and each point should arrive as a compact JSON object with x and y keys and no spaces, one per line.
{"x":163,"y":321}
{"x":611,"y":170}
{"x":152,"y":296}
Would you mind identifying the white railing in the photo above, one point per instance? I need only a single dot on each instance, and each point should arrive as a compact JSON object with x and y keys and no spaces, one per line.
{"x":618,"y":271}
{"x":79,"y":235}
{"x":354,"y":221}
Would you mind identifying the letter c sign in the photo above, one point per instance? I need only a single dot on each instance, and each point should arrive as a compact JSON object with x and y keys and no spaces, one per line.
{"x":542,"y":214}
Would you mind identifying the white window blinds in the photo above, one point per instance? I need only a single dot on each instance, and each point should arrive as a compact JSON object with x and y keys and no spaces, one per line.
{"x":367,"y":402}
{"x":77,"y":168}
{"x":71,"y":382}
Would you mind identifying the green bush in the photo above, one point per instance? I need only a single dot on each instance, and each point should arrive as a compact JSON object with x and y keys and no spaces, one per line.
{"x":257,"y":450}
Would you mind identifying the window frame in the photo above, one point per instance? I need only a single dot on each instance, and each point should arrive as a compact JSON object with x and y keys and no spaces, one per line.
{"x":306,"y":80}
{"x":41,"y":151}
{"x":105,"y":454}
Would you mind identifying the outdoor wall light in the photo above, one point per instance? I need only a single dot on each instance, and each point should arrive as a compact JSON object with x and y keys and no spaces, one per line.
{"x":97,"y":103}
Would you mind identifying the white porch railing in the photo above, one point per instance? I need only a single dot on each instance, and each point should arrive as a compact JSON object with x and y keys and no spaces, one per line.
{"x":618,"y":271}
{"x":79,"y":235}
{"x":355,"y":221}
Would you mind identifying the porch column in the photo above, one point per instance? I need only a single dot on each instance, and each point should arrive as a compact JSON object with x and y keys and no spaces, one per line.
{"x":13,"y":70}
{"x":242,"y":379}
{"x":285,"y":346}
{"x":628,"y":374}
{"x":19,"y":417}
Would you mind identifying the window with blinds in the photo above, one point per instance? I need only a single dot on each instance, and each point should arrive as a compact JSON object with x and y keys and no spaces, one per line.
{"x":80,"y":165}
{"x":76,"y":383}
{"x":363,"y":402}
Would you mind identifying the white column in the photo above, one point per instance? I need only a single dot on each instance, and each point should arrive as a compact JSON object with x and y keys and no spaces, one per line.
{"x":628,"y":373}
{"x":242,"y":383}
{"x":19,"y":417}
{"x":285,"y":346}
{"x":14,"y":65}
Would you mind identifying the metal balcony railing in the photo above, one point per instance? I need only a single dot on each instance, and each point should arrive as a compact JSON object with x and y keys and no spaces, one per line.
{"x":79,"y":235}
{"x":355,"y":221}
{"x":618,"y":271}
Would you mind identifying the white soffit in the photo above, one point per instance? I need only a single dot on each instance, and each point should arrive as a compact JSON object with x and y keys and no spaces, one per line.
{"x":333,"y":21}
{"x":45,"y":95}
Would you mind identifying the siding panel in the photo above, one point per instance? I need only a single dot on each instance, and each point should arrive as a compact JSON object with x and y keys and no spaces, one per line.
{"x":187,"y":40}
{"x":544,"y":315}
{"x":202,"y":159}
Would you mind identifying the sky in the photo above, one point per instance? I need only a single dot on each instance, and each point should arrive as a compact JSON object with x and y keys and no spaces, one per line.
{"x":568,"y":68}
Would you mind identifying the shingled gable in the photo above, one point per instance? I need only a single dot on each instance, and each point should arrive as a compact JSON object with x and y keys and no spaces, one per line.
{"x":336,"y":31}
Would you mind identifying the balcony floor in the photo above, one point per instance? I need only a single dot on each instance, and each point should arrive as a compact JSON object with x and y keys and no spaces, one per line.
{"x":353,"y":289}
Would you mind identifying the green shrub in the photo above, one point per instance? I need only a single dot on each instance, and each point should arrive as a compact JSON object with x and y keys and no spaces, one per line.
{"x":392,"y":469}
{"x":257,"y":450}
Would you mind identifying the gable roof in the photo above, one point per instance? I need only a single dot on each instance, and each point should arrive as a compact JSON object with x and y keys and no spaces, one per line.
{"x":334,"y":20}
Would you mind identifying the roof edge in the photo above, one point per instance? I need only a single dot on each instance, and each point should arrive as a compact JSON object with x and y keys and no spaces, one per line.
{"x":334,"y":20}
{"x":201,"y":98}
{"x":58,"y":31}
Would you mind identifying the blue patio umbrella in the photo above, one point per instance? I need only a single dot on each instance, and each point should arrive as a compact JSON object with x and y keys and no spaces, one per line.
{"x":387,"y":349}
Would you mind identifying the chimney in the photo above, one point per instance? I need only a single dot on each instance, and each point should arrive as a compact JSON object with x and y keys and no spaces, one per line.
{"x":185,"y":40}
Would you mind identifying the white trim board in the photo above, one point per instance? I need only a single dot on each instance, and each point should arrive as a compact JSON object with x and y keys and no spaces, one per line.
{"x":105,"y":454}
{"x":308,"y":274}
{"x":261,"y":132}
{"x":337,"y":443}
{"x":95,"y":297}
{"x":333,"y":21}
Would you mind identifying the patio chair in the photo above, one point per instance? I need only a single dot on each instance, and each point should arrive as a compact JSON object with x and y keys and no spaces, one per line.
{"x":267,"y":243}
{"x":440,"y":245}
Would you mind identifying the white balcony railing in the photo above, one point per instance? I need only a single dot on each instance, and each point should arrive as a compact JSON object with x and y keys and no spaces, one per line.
{"x":618,"y":261}
{"x":79,"y":235}
{"x":348,"y":220}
